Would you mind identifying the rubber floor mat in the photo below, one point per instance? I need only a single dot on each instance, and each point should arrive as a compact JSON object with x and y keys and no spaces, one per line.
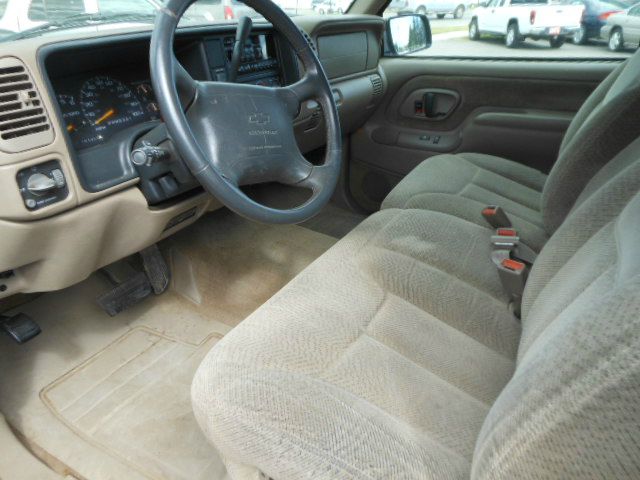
{"x":132,"y":399}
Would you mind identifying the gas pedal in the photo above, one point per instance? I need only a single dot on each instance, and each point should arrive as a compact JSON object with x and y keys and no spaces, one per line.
{"x":156,"y":268}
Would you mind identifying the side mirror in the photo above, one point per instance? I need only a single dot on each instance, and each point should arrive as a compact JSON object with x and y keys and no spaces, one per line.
{"x":407,"y":34}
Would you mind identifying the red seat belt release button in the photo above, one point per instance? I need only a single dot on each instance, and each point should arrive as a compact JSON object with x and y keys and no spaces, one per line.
{"x":496,"y":217}
{"x":506,"y":232}
{"x":513,"y":265}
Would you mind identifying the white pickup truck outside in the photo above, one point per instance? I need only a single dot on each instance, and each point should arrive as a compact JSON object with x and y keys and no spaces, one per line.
{"x":517,"y":20}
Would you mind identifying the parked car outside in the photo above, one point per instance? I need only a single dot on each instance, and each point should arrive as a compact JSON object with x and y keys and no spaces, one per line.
{"x":517,"y":20}
{"x":622,"y":30}
{"x":596,"y":13}
{"x":439,"y":8}
{"x":20,"y":15}
{"x":328,"y":7}
{"x":216,"y":10}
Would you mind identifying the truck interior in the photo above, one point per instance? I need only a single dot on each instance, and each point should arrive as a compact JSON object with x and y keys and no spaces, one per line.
{"x":278,"y":246}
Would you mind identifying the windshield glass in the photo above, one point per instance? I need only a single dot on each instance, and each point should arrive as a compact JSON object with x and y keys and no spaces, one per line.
{"x":38,"y":17}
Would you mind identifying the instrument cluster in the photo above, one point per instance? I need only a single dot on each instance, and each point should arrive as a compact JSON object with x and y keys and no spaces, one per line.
{"x":96,"y":106}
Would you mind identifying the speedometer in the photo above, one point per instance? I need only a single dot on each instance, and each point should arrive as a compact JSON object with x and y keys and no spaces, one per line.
{"x":108,"y":105}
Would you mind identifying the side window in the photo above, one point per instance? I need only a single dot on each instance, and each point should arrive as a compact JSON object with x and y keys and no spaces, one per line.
{"x":635,"y":11}
{"x":537,"y":29}
{"x":50,"y":10}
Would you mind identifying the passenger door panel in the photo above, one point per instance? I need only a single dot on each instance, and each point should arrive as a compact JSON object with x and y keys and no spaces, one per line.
{"x":519,"y":110}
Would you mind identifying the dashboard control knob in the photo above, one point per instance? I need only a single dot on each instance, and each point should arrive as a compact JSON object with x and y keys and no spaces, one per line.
{"x":39,"y":184}
{"x":147,"y":155}
{"x":58,"y":177}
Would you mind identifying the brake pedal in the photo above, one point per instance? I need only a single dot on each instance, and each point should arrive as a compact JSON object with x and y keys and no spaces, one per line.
{"x":132,"y":286}
{"x":126,"y":294}
{"x":20,"y":327}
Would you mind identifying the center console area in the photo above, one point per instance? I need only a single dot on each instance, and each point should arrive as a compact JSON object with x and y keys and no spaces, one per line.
{"x":259,"y":64}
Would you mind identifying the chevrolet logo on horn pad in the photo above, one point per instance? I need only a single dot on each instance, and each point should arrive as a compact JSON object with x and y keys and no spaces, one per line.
{"x":259,"y":118}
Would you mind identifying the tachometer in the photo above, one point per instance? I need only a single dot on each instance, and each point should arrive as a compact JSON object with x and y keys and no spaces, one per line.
{"x":108,"y":105}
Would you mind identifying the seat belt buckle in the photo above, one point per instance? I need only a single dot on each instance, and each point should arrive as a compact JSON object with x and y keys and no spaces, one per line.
{"x":505,"y":239}
{"x":513,"y":276}
{"x":496,"y":217}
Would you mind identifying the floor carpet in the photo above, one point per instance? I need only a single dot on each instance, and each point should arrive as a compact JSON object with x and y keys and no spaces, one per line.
{"x":98,"y":397}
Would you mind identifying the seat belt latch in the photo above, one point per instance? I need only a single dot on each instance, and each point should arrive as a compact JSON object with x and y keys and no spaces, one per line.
{"x":505,"y":239}
{"x":496,"y":217}
{"x":513,"y":276}
{"x":508,"y":239}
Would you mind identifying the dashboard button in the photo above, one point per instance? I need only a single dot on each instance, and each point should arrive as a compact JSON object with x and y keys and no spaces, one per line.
{"x":58,"y":177}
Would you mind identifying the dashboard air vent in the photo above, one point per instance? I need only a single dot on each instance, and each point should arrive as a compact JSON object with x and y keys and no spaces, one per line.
{"x":23,"y":121}
{"x":378,"y":86}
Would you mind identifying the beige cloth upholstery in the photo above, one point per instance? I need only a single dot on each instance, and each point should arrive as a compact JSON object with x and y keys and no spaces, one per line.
{"x":462,"y":184}
{"x":377,"y":361}
{"x":571,"y":411}
{"x":393,"y":355}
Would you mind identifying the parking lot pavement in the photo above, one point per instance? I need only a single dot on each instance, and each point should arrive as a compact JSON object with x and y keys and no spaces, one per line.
{"x":458,"y":44}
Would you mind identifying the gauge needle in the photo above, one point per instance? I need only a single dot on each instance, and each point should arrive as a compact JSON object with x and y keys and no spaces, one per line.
{"x":110,"y":113}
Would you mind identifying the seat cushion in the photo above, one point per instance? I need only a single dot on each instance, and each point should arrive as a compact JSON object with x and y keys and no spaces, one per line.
{"x":463,"y":184}
{"x":380,"y":360}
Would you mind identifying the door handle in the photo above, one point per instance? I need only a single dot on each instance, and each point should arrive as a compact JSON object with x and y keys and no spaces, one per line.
{"x":428,"y":102}
{"x":431,"y":104}
{"x":437,"y":104}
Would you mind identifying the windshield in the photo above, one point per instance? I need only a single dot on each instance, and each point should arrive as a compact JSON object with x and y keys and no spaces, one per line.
{"x":38,"y":17}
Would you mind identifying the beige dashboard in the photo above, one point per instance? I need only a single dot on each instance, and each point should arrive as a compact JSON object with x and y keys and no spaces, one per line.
{"x":59,"y":244}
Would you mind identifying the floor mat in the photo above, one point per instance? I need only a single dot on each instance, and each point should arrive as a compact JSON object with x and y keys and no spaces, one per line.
{"x":132,"y":398}
{"x":101,"y":397}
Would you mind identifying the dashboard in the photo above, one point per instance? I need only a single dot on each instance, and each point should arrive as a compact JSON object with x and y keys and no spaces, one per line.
{"x":98,"y":104}
{"x":73,"y":197}
{"x":108,"y":107}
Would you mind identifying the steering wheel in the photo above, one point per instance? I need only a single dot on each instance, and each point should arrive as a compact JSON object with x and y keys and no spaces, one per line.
{"x":231,"y":135}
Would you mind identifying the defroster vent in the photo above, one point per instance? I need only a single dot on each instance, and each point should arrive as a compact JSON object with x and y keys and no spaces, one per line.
{"x":23,"y":120}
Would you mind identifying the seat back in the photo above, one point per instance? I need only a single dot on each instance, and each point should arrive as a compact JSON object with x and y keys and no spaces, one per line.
{"x":572,"y":408}
{"x":607,"y":122}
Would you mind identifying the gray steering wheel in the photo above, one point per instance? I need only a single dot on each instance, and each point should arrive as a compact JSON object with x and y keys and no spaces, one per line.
{"x":231,"y":135}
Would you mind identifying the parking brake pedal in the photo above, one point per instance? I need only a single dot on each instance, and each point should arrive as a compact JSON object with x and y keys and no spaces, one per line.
{"x":20,"y":327}
{"x":132,"y":286}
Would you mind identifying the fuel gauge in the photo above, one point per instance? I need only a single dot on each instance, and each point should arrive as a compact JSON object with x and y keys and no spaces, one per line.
{"x":71,"y":114}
